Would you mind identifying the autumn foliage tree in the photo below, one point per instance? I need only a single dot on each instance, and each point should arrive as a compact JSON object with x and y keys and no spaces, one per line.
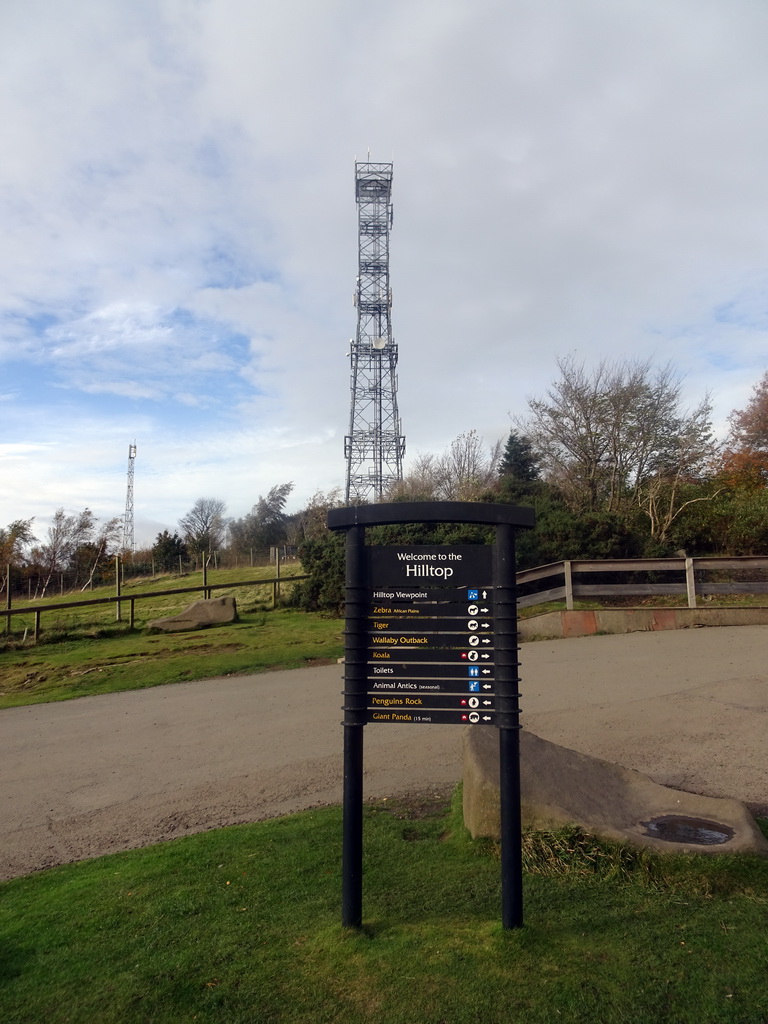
{"x":745,"y":458}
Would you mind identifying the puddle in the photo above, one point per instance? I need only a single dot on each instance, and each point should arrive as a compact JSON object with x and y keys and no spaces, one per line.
{"x":673,"y":828}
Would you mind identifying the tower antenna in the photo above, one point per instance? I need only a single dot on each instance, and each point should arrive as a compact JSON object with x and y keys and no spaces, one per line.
{"x":129,"y":540}
{"x":375,"y":445}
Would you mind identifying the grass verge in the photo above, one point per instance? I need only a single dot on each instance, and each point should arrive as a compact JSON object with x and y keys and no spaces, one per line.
{"x":126,"y":660}
{"x":242,"y":925}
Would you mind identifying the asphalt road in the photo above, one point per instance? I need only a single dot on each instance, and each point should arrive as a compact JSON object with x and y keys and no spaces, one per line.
{"x":99,"y":774}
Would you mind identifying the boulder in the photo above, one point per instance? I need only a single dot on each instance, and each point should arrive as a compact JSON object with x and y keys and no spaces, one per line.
{"x":212,"y":612}
{"x":561,"y":786}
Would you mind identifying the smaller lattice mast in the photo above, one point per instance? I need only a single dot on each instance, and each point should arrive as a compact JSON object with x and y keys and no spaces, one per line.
{"x":129,"y":539}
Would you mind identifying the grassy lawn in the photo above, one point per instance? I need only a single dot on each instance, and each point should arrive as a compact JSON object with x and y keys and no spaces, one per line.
{"x":242,"y":926}
{"x":119,"y":659}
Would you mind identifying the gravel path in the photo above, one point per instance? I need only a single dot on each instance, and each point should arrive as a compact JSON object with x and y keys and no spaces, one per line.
{"x":99,"y":774}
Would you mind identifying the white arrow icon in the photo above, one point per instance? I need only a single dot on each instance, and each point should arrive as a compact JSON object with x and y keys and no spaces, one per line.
{"x":482,"y":610}
{"x":485,"y":640}
{"x":484,"y":656}
{"x":486,"y":671}
{"x":485,"y":595}
{"x":486,"y":718}
{"x":487,"y":703}
{"x":484,"y":625}
{"x":487,"y":686}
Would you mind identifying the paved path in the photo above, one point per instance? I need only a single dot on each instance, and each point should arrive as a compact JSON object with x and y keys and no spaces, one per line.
{"x":98,"y":774}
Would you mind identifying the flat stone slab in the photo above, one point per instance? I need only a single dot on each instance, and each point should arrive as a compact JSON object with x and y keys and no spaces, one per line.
{"x":199,"y":615}
{"x":561,"y":786}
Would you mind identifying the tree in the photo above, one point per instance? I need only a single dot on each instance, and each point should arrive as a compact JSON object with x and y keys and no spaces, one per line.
{"x":518,"y":462}
{"x":102,"y":547}
{"x":167,"y":550}
{"x":745,"y":458}
{"x":749,"y":427}
{"x":204,"y":527}
{"x":616,"y":438}
{"x":662,"y":495}
{"x":13,"y":539}
{"x":65,"y":535}
{"x":309,"y":523}
{"x":265,"y":524}
{"x":462,"y":473}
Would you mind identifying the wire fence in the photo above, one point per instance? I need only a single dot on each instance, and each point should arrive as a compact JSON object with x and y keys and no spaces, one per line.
{"x":32,"y":582}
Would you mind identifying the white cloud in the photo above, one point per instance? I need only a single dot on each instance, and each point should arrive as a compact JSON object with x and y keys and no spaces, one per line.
{"x":179,"y":224}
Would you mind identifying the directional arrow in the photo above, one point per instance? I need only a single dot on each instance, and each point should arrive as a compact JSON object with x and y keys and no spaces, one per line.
{"x":487,"y":686}
{"x":488,"y":703}
{"x":485,"y":656}
{"x":485,"y":595}
{"x":486,"y":671}
{"x":487,"y":718}
{"x":485,"y":640}
{"x":484,"y":625}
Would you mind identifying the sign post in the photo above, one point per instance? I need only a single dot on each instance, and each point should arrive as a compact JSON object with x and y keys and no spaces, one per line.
{"x":431,"y":637}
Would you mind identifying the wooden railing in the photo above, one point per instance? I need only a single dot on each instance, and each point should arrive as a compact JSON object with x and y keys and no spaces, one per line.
{"x":119,"y":599}
{"x":694,"y":578}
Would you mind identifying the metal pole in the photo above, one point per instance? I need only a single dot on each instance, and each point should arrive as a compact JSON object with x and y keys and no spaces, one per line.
{"x":507,"y":686}
{"x":355,"y":671}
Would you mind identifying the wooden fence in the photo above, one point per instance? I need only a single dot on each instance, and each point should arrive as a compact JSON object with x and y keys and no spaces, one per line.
{"x":696,"y":577}
{"x":119,"y":599}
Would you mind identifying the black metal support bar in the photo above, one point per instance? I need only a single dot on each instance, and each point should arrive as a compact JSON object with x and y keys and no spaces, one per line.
{"x":508,"y":721}
{"x":354,"y":724}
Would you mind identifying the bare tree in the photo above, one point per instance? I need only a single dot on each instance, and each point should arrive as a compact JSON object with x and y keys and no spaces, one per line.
{"x":603,"y":436}
{"x":204,"y":527}
{"x":689,"y":448}
{"x":461,"y":473}
{"x":103,"y":545}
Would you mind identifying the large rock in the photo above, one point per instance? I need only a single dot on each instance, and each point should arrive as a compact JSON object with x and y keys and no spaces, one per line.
{"x":561,"y":786}
{"x":199,"y":615}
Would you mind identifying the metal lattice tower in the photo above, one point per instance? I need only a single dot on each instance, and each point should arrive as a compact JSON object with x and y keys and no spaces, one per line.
{"x":129,"y":540}
{"x":375,"y":446}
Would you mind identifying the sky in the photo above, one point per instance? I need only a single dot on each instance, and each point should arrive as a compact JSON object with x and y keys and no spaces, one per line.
{"x":179,"y":227}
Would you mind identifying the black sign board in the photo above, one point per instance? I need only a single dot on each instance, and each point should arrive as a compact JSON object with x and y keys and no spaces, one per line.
{"x":431,"y":639}
{"x":440,"y":631}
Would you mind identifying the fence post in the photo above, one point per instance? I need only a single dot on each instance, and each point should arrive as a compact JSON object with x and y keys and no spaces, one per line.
{"x":690,"y":582}
{"x":8,"y":598}
{"x":130,"y":622}
{"x":117,"y":584}
{"x":568,"y":586}
{"x":37,"y":624}
{"x":205,"y":574}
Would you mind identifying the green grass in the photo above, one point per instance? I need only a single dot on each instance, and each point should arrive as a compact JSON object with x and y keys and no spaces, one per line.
{"x":242,"y":926}
{"x":125,"y":660}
